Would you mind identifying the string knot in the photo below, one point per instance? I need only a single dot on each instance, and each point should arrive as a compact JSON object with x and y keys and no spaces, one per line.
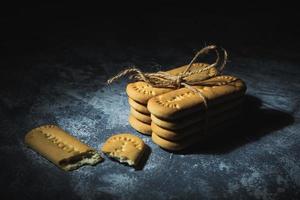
{"x":166,"y":80}
{"x":178,"y":81}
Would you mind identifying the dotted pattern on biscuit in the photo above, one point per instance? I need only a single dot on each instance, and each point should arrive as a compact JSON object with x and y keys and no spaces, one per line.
{"x":144,"y":89}
{"x":171,"y":103}
{"x":195,"y":64}
{"x":57,"y":141}
{"x":125,"y":140}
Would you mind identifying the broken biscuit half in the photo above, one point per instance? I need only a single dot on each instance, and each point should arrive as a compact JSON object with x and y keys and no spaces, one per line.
{"x":125,"y":147}
{"x":62,"y":149}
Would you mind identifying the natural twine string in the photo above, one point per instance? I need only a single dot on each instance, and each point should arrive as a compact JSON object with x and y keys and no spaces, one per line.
{"x":165,"y":80}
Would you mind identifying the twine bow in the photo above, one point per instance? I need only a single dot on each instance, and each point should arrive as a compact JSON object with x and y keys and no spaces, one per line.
{"x":165,"y":80}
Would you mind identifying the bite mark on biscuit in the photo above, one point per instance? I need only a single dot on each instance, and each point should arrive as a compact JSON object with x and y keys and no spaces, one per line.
{"x":119,"y":147}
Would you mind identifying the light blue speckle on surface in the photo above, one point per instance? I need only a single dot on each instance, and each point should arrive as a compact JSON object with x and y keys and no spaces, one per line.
{"x":260,"y":162}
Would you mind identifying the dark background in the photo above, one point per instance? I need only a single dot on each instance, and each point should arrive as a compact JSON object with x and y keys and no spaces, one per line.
{"x":258,"y":27}
{"x":56,"y":57}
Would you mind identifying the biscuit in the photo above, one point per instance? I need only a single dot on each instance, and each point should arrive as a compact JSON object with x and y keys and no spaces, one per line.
{"x":188,"y":141}
{"x":141,"y":117}
{"x":142,"y":108}
{"x":202,"y":75}
{"x":126,"y":148}
{"x":197,"y":116}
{"x":184,"y":101}
{"x":141,"y":92}
{"x":62,"y":149}
{"x":198,"y":127}
{"x":139,"y":126}
{"x":175,"y":146}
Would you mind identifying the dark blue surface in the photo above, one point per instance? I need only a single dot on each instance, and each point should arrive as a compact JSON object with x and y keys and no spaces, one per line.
{"x":260,"y":160}
{"x":61,"y":80}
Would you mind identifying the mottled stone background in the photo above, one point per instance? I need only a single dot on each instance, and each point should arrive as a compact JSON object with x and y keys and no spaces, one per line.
{"x":54,"y":65}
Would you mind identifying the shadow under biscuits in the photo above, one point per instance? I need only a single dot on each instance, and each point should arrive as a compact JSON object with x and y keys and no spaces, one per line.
{"x":144,"y":158}
{"x":255,"y":123}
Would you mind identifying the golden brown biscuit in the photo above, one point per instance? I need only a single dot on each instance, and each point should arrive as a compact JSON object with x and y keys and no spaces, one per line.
{"x":210,"y":123}
{"x":188,"y":141}
{"x":203,"y":75}
{"x":141,"y":92}
{"x":175,"y":146}
{"x":139,"y":126}
{"x":139,"y":107}
{"x":181,"y":102}
{"x":142,"y":117}
{"x":197,"y":116}
{"x":62,"y":149}
{"x":126,"y":148}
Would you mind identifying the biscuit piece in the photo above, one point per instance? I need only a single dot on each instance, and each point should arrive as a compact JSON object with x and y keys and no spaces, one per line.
{"x":140,"y":116}
{"x":141,"y":92}
{"x":188,"y":141}
{"x":184,"y":101}
{"x":126,"y":148}
{"x":139,"y":126}
{"x":138,"y":107}
{"x":210,"y":123}
{"x":197,"y":116}
{"x":62,"y":149}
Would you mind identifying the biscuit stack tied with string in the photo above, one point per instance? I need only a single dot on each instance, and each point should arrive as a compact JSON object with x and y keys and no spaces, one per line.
{"x":139,"y":93}
{"x":180,"y":118}
{"x":181,"y":106}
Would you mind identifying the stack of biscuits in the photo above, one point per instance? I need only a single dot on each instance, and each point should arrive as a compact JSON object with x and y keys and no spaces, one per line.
{"x":180,"y":117}
{"x":177,"y":118}
{"x":139,"y":93}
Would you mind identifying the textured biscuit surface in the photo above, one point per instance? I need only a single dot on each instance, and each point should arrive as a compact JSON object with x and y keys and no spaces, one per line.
{"x":142,"y":92}
{"x":59,"y":147}
{"x":124,"y":147}
{"x":139,"y":126}
{"x":202,"y":75}
{"x":142,"y":108}
{"x":140,"y":116}
{"x":183,"y":101}
{"x":197,"y":116}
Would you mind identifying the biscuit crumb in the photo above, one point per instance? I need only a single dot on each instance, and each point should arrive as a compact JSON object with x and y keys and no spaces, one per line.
{"x":77,"y":161}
